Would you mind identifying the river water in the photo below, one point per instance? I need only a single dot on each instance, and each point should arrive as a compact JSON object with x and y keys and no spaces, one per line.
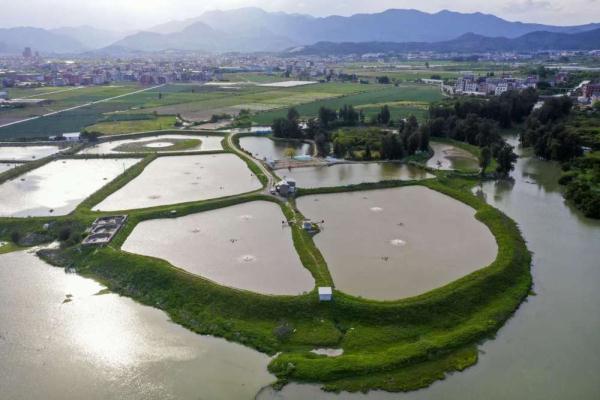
{"x":60,"y":339}
{"x":550,"y":349}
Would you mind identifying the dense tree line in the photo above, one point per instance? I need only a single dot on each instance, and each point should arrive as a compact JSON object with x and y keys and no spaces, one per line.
{"x":409,"y":139}
{"x":506,"y":109}
{"x":288,"y":127}
{"x":582,"y":181}
{"x":547,"y":133}
{"x":477,"y":122}
{"x":556,"y":132}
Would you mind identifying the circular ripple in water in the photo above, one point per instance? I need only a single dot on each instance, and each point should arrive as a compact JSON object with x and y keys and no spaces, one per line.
{"x":248,"y":258}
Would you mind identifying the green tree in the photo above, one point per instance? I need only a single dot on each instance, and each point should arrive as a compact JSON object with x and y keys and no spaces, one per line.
{"x":289,"y":152}
{"x":384,"y":115}
{"x":326,"y":116}
{"x":293,"y":114}
{"x":485,"y":157}
{"x":506,"y":159}
{"x":414,"y":142}
{"x":367,"y":156}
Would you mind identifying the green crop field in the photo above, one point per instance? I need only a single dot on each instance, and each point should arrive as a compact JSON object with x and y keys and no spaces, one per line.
{"x":403,"y":101}
{"x":200,"y":102}
{"x":72,"y":120}
{"x":135,"y":125}
{"x":231,"y":100}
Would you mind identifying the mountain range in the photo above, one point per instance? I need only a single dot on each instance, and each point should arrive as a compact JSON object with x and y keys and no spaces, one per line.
{"x":253,"y":29}
{"x":467,"y":43}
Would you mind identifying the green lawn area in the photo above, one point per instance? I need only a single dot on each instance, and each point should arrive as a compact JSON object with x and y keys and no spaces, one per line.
{"x":138,"y":125}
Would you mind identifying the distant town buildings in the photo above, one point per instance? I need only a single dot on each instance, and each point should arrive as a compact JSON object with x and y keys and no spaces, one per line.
{"x":469,"y":84}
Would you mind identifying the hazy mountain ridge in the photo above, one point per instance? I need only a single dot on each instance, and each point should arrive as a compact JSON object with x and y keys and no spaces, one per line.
{"x":253,"y":29}
{"x":393,"y":25}
{"x":16,"y":39}
{"x":397,"y":26}
{"x":467,"y":43}
{"x":202,"y":37}
{"x":90,"y":37}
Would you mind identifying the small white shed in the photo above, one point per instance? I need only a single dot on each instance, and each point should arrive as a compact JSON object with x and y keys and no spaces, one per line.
{"x":72,"y":137}
{"x":325,"y":293}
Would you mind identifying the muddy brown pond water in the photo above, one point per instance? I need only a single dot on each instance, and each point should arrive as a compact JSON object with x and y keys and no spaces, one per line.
{"x":263,"y":148}
{"x":394,"y":243}
{"x":244,"y":246}
{"x":180,"y":179}
{"x":58,"y":187}
{"x":352,"y":174}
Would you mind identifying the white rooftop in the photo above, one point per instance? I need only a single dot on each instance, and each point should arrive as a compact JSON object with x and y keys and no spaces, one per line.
{"x":325,"y":290}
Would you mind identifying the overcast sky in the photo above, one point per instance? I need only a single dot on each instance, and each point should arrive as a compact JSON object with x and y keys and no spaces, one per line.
{"x":139,"y":14}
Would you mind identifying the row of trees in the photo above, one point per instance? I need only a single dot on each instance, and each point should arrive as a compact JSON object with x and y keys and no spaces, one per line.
{"x":548,"y":134}
{"x":506,"y":109}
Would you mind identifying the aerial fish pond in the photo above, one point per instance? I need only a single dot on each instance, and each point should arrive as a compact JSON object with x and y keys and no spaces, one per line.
{"x":396,"y":328}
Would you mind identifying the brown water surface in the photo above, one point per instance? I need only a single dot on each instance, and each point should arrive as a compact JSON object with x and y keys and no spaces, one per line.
{"x":181,"y":179}
{"x":59,"y":340}
{"x":394,"y":243}
{"x":58,"y":187}
{"x":352,"y":174}
{"x":244,"y":246}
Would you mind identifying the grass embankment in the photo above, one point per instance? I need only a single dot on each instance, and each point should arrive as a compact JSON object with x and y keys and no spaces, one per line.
{"x":425,"y":327}
{"x":256,"y":170}
{"x":474,"y":150}
{"x":145,"y":147}
{"x":394,"y":345}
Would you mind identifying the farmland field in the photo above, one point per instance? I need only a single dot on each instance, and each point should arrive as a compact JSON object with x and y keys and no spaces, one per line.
{"x":200,"y":102}
{"x":72,"y":120}
{"x":403,"y":101}
{"x":133,"y":125}
{"x":231,"y":100}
